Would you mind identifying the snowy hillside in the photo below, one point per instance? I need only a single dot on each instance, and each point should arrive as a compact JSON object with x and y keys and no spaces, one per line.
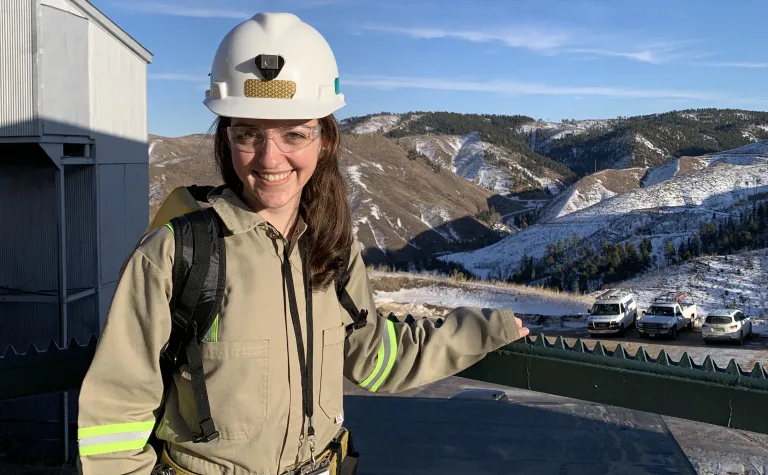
{"x":650,"y":140}
{"x":591,"y":190}
{"x":672,"y":209}
{"x":542,"y":133}
{"x":488,"y":165}
{"x":605,"y":184}
{"x":713,"y":282}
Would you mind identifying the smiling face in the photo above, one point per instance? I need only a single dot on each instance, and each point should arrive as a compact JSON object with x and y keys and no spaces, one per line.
{"x":272,"y":178}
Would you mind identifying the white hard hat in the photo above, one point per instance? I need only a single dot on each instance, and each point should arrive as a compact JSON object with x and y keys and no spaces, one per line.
{"x":274,"y":66}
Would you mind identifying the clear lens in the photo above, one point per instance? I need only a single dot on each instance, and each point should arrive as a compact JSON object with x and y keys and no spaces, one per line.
{"x":288,"y":139}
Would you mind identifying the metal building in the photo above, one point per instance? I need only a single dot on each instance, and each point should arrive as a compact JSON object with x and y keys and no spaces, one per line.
{"x":74,"y":185}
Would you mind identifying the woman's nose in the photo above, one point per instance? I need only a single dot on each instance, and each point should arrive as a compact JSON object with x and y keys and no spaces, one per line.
{"x":270,"y":154}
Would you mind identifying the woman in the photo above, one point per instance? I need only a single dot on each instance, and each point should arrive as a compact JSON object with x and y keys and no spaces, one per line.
{"x":287,"y":226}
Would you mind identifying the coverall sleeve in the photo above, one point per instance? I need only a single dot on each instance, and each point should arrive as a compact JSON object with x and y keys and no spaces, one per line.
{"x":123,"y":388}
{"x":390,"y":357}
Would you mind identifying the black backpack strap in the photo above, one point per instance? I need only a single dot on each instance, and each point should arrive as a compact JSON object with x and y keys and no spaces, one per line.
{"x":359,"y":317}
{"x":199,"y":274}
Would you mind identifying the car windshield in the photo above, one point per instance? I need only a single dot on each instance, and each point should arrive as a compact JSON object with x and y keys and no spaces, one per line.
{"x":605,"y":309}
{"x":663,"y":311}
{"x":718,"y":320}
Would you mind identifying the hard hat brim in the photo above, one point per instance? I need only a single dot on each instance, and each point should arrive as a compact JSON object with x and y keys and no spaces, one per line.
{"x":277,"y":109}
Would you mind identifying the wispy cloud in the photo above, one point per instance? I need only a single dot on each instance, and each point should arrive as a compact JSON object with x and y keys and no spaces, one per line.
{"x":551,"y":41}
{"x":522,"y":37}
{"x":735,"y":64}
{"x":522,"y":88}
{"x":184,"y":10}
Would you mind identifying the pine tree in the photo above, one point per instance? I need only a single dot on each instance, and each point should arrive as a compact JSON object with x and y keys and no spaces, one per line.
{"x":669,"y":251}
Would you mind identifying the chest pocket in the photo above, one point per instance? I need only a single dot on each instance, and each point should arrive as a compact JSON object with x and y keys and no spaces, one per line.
{"x":237,"y":379}
{"x":332,"y":372}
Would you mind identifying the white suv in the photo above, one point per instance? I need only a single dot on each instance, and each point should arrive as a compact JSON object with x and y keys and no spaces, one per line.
{"x":726,"y":324}
{"x":612,"y":313}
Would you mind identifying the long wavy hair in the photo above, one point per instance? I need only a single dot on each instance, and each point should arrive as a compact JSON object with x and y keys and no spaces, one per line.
{"x":323,"y":198}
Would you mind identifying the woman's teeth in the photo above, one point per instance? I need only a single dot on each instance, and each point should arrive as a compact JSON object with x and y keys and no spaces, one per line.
{"x":273,"y":176}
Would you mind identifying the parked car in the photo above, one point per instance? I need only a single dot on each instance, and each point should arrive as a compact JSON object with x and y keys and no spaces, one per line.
{"x":669,"y":313}
{"x":726,"y":324}
{"x":612,"y":313}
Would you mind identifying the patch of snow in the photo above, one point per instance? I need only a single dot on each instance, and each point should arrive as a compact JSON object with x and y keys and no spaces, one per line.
{"x":156,"y":192}
{"x":399,"y":223}
{"x":162,"y":164}
{"x":664,"y":172}
{"x":438,"y":219}
{"x":517,"y":301}
{"x":424,"y":146}
{"x":375,"y":212}
{"x":355,"y":176}
{"x":639,"y":138}
{"x":378,"y":166}
{"x":376,"y":124}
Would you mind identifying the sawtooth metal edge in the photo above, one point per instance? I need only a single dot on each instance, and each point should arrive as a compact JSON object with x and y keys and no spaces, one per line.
{"x":729,"y":397}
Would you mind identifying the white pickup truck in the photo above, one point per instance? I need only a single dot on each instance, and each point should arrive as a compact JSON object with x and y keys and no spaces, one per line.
{"x":669,"y":313}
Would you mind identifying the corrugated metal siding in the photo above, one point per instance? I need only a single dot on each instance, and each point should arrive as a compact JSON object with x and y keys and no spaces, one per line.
{"x":64,"y":73}
{"x":25,"y":323}
{"x":17,"y":76}
{"x":118,"y":85}
{"x":28,"y":235}
{"x":81,"y":226}
{"x":83,"y":318}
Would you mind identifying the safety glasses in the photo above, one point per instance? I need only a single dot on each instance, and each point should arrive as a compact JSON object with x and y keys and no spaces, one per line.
{"x":288,"y":139}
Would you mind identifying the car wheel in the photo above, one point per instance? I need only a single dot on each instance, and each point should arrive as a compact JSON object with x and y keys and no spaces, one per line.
{"x":621,"y":330}
{"x":741,"y":337}
{"x":674,"y":333}
{"x":690,"y":324}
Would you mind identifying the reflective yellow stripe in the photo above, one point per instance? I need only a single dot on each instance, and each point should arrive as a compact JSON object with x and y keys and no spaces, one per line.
{"x":170,"y":226}
{"x":392,"y":355}
{"x":385,"y":359}
{"x":114,"y":437}
{"x":112,"y":447}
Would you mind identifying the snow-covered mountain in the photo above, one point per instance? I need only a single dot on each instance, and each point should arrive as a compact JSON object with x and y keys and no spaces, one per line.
{"x":493,"y":155}
{"x":645,"y":141}
{"x":671,"y":209}
{"x":404,"y":209}
{"x":593,"y":189}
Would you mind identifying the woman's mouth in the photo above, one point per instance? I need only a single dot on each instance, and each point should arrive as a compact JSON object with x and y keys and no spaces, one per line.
{"x":273,"y":178}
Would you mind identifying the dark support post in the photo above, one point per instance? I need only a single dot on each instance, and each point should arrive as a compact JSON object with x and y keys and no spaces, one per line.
{"x":63,"y":324}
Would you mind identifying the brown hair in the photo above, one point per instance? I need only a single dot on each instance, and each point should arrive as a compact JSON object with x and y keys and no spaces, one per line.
{"x":324,"y":199}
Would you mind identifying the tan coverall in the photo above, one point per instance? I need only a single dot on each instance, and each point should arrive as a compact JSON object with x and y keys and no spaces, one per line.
{"x":250,"y":357}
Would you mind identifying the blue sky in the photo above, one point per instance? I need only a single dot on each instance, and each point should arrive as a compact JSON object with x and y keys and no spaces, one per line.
{"x":549,"y":59}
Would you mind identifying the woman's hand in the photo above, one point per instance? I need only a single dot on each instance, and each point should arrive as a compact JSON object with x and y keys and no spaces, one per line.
{"x":524,"y":331}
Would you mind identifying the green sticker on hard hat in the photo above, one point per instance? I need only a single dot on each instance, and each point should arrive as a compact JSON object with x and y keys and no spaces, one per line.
{"x":336,"y":84}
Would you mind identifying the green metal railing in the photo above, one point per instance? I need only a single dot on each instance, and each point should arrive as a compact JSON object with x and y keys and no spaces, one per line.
{"x":729,"y":397}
